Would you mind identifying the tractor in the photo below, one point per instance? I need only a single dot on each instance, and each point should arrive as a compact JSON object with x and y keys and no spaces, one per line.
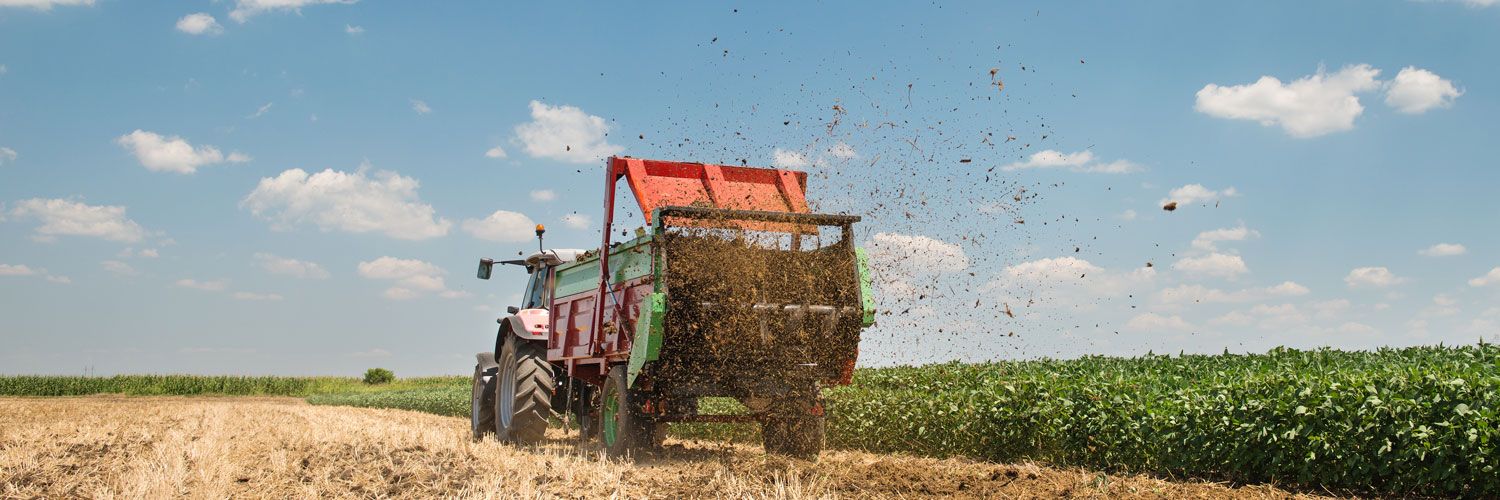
{"x":732,"y":289}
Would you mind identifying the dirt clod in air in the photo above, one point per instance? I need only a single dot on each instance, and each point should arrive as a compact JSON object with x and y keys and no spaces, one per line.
{"x":1170,"y":206}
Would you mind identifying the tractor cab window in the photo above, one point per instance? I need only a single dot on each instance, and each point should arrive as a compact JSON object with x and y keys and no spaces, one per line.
{"x":538,"y":288}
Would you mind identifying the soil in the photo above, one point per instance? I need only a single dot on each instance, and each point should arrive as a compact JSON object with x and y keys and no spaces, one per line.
{"x":108,"y":446}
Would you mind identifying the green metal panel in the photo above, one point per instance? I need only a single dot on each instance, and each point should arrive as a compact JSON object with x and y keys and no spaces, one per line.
{"x":866,"y":296}
{"x":628,"y":261}
{"x":648,"y":333}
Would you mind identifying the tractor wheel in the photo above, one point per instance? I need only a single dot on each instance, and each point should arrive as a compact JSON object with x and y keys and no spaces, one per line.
{"x":523,"y":392}
{"x":482,"y":406}
{"x":623,"y":428}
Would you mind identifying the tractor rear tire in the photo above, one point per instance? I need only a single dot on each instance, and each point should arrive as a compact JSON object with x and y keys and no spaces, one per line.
{"x":623,"y":427}
{"x":482,"y":405}
{"x":523,"y":392}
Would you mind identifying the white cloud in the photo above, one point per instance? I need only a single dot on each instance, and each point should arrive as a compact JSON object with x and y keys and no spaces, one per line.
{"x":1353,"y":328}
{"x":69,"y":218}
{"x":1065,"y":282}
{"x":1152,"y":322}
{"x":420,"y":106}
{"x":781,"y":158}
{"x":7,"y":155}
{"x":1186,"y":294}
{"x":565,"y":133}
{"x":1082,"y":161}
{"x":577,"y":221}
{"x":1310,"y":106}
{"x":144,"y":253}
{"x":22,"y":270}
{"x":502,"y":226}
{"x":207,"y":286}
{"x":16,"y":270}
{"x":1128,"y":214}
{"x":1331,"y":308}
{"x":1196,"y":193}
{"x":920,"y":252}
{"x":1377,"y":277}
{"x":496,"y":153}
{"x":354,"y":30}
{"x":1279,"y":316}
{"x":1490,"y":278}
{"x":1442,"y":305}
{"x":1414,"y":91}
{"x":842,"y":151}
{"x":173,"y":154}
{"x":1444,"y":250}
{"x":43,"y":4}
{"x":411,"y":278}
{"x":261,"y":111}
{"x":1052,"y":269}
{"x":1206,"y":240}
{"x":290,"y":267}
{"x":1476,"y":3}
{"x":199,"y":24}
{"x":118,"y":268}
{"x":1218,"y":265}
{"x":542,"y":195}
{"x":351,"y":202}
{"x":1233,"y":318}
{"x":245,"y":9}
{"x":256,"y":296}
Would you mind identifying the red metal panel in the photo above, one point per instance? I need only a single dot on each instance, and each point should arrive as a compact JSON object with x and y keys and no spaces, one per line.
{"x":658,"y":183}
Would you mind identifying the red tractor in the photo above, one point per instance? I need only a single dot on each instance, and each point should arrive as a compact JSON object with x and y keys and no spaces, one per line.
{"x":735,"y":290}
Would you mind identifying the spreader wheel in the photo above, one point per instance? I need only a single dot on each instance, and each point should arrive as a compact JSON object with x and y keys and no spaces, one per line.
{"x":523,"y":392}
{"x":795,"y":436}
{"x":482,"y":406}
{"x":795,"y":426}
{"x":623,"y":427}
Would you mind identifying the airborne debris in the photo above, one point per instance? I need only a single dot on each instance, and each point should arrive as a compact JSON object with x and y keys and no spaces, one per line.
{"x":1170,"y":206}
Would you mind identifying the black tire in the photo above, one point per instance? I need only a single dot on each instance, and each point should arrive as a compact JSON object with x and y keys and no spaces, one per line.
{"x":794,"y":436}
{"x":523,"y":392}
{"x":622,"y":426}
{"x":585,"y":409}
{"x":795,"y":426}
{"x":482,"y":405}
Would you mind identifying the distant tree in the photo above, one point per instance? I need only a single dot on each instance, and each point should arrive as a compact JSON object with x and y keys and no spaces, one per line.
{"x":379,"y":376}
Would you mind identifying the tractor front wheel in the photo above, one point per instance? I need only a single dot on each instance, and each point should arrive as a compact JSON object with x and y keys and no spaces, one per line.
{"x":623,"y":427}
{"x":523,"y":392}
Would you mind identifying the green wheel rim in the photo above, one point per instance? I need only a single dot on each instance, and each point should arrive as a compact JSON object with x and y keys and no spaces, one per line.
{"x":611,"y":407}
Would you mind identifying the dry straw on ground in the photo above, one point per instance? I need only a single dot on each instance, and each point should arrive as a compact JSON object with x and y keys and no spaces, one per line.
{"x":123,"y":447}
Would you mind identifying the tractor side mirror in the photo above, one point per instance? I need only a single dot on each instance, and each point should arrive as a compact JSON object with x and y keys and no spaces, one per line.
{"x":512,"y":309}
{"x":485,"y":267}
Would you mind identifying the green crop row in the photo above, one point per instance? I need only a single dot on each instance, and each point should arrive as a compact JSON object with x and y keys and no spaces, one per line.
{"x":1393,"y":421}
{"x":449,"y":399}
{"x":194,"y":385}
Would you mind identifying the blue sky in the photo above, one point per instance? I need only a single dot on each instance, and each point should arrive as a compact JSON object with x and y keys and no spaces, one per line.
{"x":237,"y":187}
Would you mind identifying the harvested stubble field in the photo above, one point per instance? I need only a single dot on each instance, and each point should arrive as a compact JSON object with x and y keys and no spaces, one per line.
{"x":158,"y":447}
